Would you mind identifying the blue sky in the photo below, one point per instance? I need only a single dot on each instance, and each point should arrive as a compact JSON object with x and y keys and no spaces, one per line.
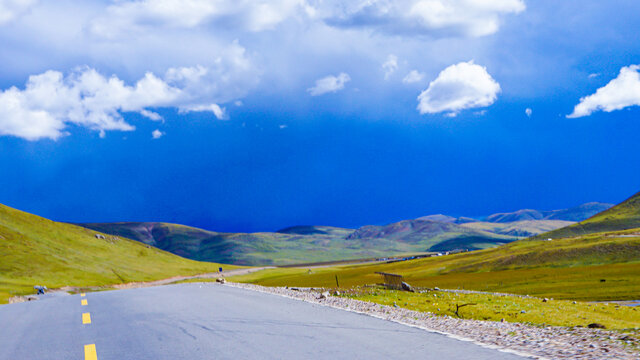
{"x":257,"y":115}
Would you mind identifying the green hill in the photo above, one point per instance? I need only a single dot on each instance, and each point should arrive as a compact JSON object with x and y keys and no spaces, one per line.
{"x":522,"y":228}
{"x":37,"y":251}
{"x":604,"y":266}
{"x":601,"y":265}
{"x":623,"y":216}
{"x":305,"y":244}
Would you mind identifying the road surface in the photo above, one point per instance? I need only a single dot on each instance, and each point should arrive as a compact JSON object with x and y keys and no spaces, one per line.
{"x":211,"y":321}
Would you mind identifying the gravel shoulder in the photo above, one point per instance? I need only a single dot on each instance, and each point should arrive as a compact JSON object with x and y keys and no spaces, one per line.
{"x":526,"y":340}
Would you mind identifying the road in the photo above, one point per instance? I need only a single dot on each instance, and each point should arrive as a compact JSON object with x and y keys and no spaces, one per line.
{"x":211,"y":321}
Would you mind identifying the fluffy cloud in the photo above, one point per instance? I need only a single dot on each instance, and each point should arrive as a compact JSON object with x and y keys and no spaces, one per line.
{"x":243,"y":15}
{"x":425,"y":17}
{"x":151,"y":115}
{"x":219,"y":112}
{"x":390,"y":66}
{"x":619,"y":93}
{"x":192,"y":60}
{"x":157,"y":134}
{"x":329,"y":84}
{"x":10,"y":9}
{"x":458,"y":87}
{"x":413,"y":76}
{"x":50,"y":102}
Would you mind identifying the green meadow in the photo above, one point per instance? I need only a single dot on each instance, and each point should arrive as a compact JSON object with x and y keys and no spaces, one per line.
{"x":598,"y":267}
{"x":576,"y":274}
{"x":37,"y":251}
{"x":490,"y":307}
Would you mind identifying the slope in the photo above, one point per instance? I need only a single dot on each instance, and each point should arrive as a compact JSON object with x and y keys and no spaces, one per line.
{"x":34,"y":250}
{"x":304,"y":244}
{"x":522,"y":228}
{"x":623,"y":216}
{"x":577,"y":213}
{"x":603,"y":266}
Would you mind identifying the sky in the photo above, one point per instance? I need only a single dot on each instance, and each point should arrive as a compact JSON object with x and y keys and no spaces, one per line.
{"x":252,"y":115}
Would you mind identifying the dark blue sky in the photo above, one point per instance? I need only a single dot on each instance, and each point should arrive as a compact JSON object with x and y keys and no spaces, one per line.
{"x":358,"y":153}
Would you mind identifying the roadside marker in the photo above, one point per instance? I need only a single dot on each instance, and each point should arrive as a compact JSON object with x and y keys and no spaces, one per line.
{"x":83,"y":302}
{"x":90,"y":352}
{"x":86,"y":318}
{"x":83,"y":294}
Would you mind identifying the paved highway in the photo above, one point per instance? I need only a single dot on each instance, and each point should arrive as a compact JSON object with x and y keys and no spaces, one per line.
{"x":210,"y":321}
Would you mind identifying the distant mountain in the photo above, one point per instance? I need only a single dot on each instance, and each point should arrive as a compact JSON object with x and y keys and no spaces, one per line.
{"x":577,"y":213}
{"x":523,"y":228}
{"x":316,"y":230}
{"x":302,"y":244}
{"x":439,"y":217}
{"x":312,"y":243}
{"x":623,"y":216}
{"x":412,"y":231}
{"x":437,"y":235}
{"x":448,"y":219}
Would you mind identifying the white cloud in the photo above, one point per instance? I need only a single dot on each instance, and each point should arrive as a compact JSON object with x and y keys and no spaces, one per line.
{"x":151,"y":115}
{"x":190,"y":48}
{"x":329,"y":84}
{"x":390,"y":66}
{"x":593,"y":76}
{"x":426,"y":17}
{"x":218,"y":111}
{"x":11,"y":9}
{"x":619,"y":93}
{"x":157,"y":134}
{"x":458,"y":87}
{"x":241,"y":15}
{"x":413,"y":77}
{"x":50,"y":102}
{"x":528,"y":111}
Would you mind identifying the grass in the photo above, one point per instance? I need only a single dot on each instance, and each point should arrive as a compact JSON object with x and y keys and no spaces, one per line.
{"x":625,"y":215}
{"x":37,"y":251}
{"x":571,"y":268}
{"x":303,"y":244}
{"x":509,"y":308}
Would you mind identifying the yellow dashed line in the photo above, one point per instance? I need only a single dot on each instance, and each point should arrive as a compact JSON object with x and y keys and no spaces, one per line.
{"x":83,"y":302}
{"x":83,"y":294}
{"x":86,"y":318}
{"x":90,"y":352}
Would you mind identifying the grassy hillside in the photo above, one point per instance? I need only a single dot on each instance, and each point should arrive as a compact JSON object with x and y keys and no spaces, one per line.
{"x":523,"y":228}
{"x":305,"y":244}
{"x":37,"y":251}
{"x":570,"y":268}
{"x":577,"y":213}
{"x":623,"y":216}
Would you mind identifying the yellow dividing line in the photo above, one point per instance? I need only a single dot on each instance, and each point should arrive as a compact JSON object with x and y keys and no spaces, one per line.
{"x":86,"y":318}
{"x":83,"y":302}
{"x":83,"y":295}
{"x":90,"y":352}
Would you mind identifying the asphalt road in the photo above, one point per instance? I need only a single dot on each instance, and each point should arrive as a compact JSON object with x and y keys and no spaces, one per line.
{"x":211,"y":321}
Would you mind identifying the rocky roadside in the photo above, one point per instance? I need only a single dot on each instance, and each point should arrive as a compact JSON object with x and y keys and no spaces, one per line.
{"x":534,"y":342}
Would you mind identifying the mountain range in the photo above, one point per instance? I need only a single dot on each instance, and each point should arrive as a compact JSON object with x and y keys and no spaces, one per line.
{"x":303,"y":244}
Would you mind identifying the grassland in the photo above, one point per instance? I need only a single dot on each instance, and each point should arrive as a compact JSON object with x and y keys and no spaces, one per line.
{"x":625,"y":215}
{"x":595,"y":267}
{"x":34,"y":250}
{"x":510,"y":308}
{"x":522,"y":228}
